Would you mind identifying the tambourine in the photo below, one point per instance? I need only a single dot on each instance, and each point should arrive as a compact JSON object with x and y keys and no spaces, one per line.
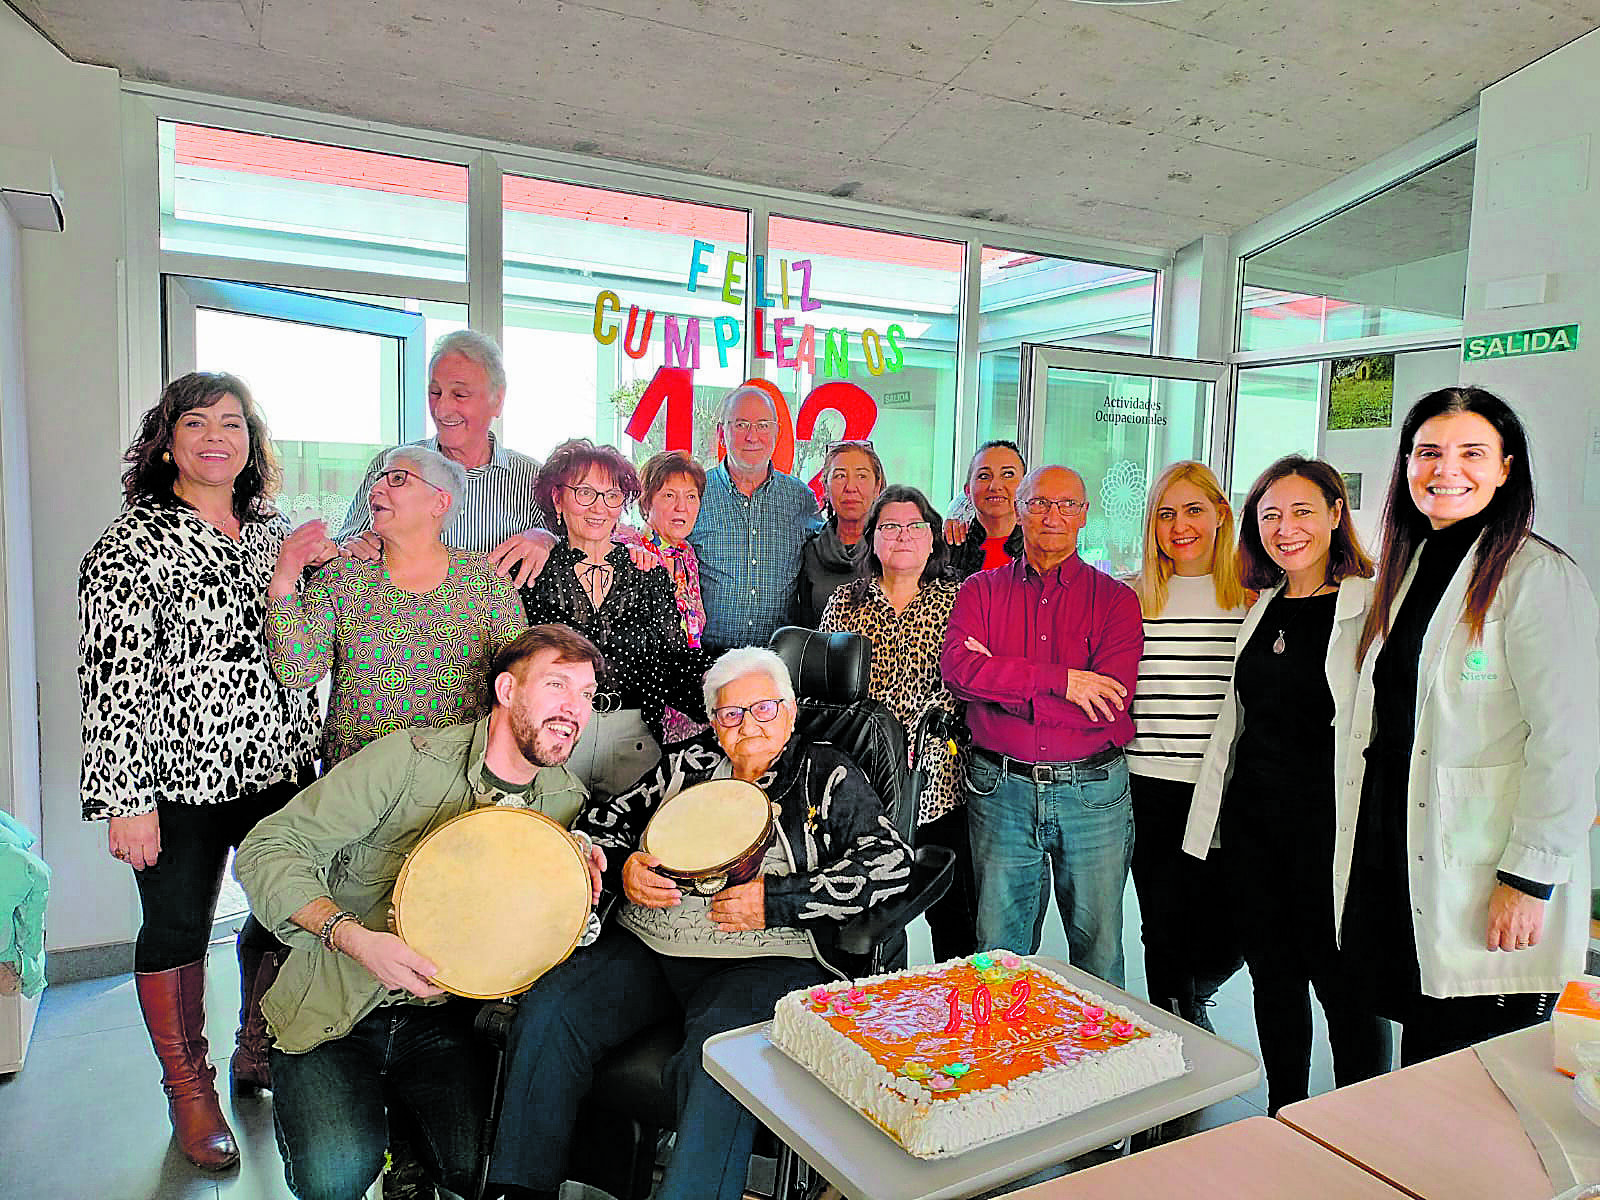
{"x":494,"y":898}
{"x":712,"y":835}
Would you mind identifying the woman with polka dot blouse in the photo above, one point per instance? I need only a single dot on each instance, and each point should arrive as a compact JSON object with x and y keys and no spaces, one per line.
{"x":592,"y":584}
{"x":408,"y":637}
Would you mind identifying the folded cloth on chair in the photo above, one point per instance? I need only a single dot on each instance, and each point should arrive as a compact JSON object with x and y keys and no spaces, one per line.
{"x":24,"y":889}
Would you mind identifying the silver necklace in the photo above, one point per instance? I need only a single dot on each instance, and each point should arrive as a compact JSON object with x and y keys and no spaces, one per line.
{"x":1279,"y":645}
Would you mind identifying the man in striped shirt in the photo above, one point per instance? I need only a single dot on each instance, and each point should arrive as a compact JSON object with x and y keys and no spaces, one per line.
{"x":498,"y":515}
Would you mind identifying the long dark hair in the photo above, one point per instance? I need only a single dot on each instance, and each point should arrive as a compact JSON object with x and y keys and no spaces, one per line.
{"x":151,"y":473}
{"x":1346,"y":556}
{"x":1508,"y":515}
{"x":938,"y":558}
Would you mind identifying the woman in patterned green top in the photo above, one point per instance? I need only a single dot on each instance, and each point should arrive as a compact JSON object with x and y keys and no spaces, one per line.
{"x":409,"y":637}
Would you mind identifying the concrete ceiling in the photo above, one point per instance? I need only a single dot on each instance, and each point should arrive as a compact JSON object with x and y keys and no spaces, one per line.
{"x":1151,"y":124}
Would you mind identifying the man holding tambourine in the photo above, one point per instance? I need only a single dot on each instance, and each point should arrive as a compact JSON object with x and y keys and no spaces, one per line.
{"x":362,"y":1028}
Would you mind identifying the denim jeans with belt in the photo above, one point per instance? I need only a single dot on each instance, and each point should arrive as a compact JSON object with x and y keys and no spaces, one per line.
{"x":419,"y":1065}
{"x":1075,"y":831}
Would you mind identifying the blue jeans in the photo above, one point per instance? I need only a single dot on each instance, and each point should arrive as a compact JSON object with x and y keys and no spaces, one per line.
{"x":331,"y":1105}
{"x":598,"y":999}
{"x":1077,"y":834}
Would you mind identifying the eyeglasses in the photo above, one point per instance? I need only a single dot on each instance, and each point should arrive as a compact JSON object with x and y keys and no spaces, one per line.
{"x":911,"y":529}
{"x":732,"y":716}
{"x":742,"y":426}
{"x":584,"y":494}
{"x":1039,"y":506}
{"x":397,"y":476}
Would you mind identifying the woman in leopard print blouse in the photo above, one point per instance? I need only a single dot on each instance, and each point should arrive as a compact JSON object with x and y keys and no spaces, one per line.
{"x":902,"y":606}
{"x":188,"y":740}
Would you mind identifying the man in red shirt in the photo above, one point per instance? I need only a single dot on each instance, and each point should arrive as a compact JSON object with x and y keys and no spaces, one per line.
{"x":1046,"y":652}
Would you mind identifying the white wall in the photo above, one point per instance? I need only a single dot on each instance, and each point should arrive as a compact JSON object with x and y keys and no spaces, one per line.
{"x":1536,"y":210}
{"x":71,"y":339}
{"x":19,"y":737}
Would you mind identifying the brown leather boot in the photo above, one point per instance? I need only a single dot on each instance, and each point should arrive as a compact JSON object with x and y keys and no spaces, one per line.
{"x":173,"y":1003}
{"x":249,"y":1068}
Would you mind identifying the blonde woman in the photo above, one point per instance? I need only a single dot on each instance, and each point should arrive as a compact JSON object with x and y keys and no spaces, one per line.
{"x":1193,"y":604}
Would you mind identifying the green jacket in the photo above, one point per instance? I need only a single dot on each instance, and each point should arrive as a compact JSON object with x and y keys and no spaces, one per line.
{"x":346,"y":837}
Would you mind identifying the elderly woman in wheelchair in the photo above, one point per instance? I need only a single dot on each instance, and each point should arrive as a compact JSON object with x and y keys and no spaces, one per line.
{"x":828,"y":853}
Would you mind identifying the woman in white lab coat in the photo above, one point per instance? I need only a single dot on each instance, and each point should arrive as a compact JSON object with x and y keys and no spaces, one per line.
{"x":1462,"y":868}
{"x":1267,"y":789}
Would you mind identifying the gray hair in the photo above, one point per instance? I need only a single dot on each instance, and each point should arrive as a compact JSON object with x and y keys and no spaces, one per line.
{"x":474,"y":347}
{"x":732,"y":398}
{"x":747,"y":660}
{"x":445,"y":474}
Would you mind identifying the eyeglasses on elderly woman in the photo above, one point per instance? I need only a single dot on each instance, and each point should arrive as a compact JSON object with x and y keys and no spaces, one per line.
{"x":397,"y":476}
{"x":731,"y":716}
{"x":584,"y":494}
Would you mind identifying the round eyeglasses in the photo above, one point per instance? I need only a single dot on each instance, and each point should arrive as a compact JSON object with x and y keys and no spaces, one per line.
{"x":586,"y":495}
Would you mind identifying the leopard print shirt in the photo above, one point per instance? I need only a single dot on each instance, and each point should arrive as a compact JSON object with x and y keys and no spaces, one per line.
{"x":178,"y":698}
{"x":905,"y":671}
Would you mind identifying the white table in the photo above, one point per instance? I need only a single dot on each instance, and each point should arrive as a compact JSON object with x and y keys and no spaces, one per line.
{"x":1440,"y":1130}
{"x":1253,"y":1159}
{"x":866,"y":1164}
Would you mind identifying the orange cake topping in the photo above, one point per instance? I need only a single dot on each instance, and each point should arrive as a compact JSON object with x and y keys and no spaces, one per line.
{"x":987,"y":1020}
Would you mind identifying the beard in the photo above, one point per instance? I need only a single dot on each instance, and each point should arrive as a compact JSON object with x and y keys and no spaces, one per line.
{"x":537,"y":743}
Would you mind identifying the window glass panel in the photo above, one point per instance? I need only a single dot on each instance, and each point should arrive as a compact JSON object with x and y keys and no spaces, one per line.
{"x":1059,"y":301}
{"x":1276,"y":412}
{"x":1118,"y":432}
{"x":1393,"y":264}
{"x":565,"y":246}
{"x":332,"y":398}
{"x":246,"y":195}
{"x":889,"y":303}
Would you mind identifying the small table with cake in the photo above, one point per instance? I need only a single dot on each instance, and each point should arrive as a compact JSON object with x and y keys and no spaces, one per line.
{"x":919,"y":1049}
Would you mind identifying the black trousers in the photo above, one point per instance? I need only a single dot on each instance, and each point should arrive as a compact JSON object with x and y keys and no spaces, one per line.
{"x":178,"y":894}
{"x":1191,"y":947}
{"x":953,"y":918}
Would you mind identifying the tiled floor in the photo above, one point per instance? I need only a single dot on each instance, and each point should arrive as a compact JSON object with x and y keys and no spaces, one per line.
{"x":85,"y":1119}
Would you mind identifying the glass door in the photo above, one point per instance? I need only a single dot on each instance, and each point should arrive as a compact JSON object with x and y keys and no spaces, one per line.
{"x":1118,"y":420}
{"x":337,"y":380}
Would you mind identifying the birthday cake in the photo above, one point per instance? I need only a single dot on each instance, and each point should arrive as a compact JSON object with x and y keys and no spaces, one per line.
{"x":945,"y":1058}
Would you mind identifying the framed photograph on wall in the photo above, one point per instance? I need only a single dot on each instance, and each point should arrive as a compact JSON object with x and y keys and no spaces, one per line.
{"x":1361,"y":392}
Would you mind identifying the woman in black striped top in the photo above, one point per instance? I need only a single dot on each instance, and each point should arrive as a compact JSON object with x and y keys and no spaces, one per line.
{"x":1193,"y":605}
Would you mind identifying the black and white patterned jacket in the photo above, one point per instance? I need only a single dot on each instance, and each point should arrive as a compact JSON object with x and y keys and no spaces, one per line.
{"x":848,"y":855}
{"x":179,"y":701}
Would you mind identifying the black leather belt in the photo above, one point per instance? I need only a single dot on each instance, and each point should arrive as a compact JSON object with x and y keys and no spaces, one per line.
{"x":1051,"y":772}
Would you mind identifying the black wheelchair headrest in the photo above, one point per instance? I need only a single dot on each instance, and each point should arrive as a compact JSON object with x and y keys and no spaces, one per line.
{"x":831,"y":667}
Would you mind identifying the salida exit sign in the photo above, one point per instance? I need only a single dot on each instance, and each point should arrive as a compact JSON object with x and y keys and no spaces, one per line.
{"x":1550,"y":340}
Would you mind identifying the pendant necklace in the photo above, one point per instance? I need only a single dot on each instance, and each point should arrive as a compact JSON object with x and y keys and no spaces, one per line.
{"x":1279,"y":645}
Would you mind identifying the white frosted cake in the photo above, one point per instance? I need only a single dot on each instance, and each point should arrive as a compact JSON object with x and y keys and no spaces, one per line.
{"x":945,"y":1058}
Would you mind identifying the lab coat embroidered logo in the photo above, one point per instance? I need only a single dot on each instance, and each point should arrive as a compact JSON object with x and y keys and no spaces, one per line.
{"x":1473,"y":668}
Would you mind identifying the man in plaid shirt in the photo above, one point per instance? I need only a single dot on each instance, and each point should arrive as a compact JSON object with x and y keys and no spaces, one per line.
{"x":753,"y":521}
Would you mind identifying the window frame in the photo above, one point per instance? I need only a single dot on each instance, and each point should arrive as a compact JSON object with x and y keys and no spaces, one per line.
{"x":487,"y":160}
